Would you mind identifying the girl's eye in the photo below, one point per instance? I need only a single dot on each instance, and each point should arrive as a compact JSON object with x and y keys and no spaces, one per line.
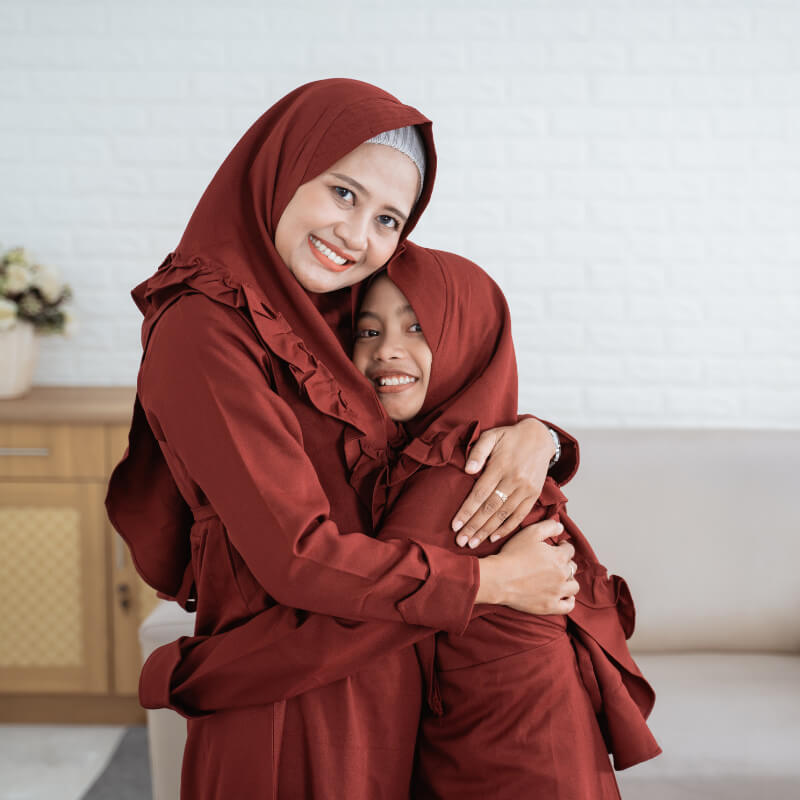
{"x":388,"y":221}
{"x":366,"y":333}
{"x":344,"y":193}
{"x":416,"y":328}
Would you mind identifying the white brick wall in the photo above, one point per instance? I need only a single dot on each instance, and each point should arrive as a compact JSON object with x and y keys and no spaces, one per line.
{"x":629,"y":170}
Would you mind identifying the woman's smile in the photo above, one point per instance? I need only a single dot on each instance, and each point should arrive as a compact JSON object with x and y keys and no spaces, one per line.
{"x":329,"y":256}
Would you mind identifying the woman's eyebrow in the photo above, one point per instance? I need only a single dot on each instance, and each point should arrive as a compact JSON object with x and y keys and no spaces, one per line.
{"x":356,"y":185}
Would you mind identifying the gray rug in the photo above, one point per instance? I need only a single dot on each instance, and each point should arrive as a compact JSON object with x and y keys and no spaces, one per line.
{"x":127,"y":776}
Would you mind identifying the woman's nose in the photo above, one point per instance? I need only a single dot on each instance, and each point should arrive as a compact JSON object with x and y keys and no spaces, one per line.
{"x":353,"y":231}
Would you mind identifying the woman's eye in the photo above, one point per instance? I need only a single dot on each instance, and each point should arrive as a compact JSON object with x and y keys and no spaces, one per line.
{"x":343,"y":192}
{"x":416,"y":328}
{"x":388,"y":221}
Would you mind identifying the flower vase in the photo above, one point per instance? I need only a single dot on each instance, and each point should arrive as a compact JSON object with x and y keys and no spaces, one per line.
{"x":19,"y":349}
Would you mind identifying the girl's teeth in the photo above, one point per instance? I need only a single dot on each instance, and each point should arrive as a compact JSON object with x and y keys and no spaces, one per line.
{"x":395,"y":381}
{"x":328,"y":252}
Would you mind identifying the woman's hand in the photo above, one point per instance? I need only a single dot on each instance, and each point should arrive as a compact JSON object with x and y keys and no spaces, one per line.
{"x":529,"y":574}
{"x":518,"y":458}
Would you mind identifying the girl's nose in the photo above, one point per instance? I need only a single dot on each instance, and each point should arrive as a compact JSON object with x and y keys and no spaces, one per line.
{"x":390,"y":347}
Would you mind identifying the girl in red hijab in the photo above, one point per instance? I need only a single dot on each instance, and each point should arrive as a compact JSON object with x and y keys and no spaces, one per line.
{"x":255,"y":444}
{"x":517,"y":705}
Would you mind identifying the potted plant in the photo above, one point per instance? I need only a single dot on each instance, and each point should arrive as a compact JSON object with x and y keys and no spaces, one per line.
{"x":32,"y":301}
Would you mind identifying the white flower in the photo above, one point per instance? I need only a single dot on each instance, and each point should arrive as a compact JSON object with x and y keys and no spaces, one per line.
{"x":18,"y":278}
{"x":8,"y":314}
{"x":48,"y":282}
{"x":17,"y":256}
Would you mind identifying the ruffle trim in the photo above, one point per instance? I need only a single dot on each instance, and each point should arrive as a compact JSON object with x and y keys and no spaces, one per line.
{"x":365,"y":459}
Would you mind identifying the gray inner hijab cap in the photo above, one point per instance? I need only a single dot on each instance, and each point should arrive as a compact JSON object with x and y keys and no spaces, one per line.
{"x":408,"y":141}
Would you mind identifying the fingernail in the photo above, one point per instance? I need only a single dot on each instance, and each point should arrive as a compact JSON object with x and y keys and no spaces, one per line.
{"x":494,"y":537}
{"x":457,"y":525}
{"x":472,"y":466}
{"x":461,"y":540}
{"x":473,"y":543}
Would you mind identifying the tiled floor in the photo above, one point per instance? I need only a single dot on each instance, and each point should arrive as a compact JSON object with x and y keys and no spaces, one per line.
{"x":53,"y":762}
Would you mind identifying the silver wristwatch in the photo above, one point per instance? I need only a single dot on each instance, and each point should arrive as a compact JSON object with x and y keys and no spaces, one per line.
{"x":557,"y":443}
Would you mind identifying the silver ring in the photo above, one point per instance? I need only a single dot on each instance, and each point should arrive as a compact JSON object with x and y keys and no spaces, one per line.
{"x":502,"y":495}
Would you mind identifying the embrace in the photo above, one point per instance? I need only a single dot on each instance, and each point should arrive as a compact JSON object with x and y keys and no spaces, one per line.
{"x":327,"y":464}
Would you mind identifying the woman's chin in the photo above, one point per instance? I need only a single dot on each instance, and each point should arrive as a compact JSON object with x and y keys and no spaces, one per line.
{"x":315,"y":278}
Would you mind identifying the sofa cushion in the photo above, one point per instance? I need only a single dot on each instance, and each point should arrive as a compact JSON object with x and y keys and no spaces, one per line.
{"x":724,"y":714}
{"x":705,"y":528}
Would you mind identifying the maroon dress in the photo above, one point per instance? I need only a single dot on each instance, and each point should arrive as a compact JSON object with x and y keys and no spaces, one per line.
{"x":516,"y":705}
{"x":253,"y":450}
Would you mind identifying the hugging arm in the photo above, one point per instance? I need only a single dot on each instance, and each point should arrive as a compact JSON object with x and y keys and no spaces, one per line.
{"x":280,"y":653}
{"x":197,"y":390}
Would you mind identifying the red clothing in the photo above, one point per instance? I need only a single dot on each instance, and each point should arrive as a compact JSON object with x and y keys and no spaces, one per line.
{"x":253,"y":447}
{"x":506,"y":667}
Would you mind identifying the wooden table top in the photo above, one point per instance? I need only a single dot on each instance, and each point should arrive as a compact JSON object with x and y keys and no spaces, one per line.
{"x":89,"y":404}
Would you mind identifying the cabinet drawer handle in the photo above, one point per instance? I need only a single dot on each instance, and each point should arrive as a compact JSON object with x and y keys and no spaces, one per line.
{"x":24,"y":451}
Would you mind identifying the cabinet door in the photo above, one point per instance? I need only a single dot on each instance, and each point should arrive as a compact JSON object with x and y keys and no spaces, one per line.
{"x":53,"y":588}
{"x":132,"y":599}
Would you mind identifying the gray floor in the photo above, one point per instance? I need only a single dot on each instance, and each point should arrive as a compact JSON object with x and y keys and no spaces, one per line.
{"x":127,"y":776}
{"x":53,"y":762}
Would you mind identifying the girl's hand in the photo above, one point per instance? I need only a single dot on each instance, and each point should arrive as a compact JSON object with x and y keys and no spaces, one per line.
{"x":529,"y":574}
{"x":518,"y":458}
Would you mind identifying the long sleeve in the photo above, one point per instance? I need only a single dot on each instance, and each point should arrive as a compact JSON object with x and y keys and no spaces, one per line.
{"x":205,"y":390}
{"x":279,"y":654}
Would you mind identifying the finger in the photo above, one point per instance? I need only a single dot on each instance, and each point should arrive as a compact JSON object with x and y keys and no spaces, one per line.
{"x":566,"y":550}
{"x":514,"y":521}
{"x":481,"y":450}
{"x":481,"y":491}
{"x":491,"y":504}
{"x":572,"y":570}
{"x":504,"y":512}
{"x":545,"y":529}
{"x":565,"y":605}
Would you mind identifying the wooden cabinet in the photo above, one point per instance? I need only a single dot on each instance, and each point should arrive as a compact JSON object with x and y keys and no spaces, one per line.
{"x":70,"y":600}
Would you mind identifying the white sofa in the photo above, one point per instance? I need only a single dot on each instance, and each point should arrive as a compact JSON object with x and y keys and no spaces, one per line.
{"x":705,"y":526}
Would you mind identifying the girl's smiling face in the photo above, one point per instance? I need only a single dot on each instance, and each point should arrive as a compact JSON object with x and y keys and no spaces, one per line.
{"x":343,"y":225}
{"x":390,"y":349}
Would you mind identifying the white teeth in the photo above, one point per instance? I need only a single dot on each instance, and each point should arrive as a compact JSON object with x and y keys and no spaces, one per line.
{"x":395,"y":381}
{"x":328,"y":252}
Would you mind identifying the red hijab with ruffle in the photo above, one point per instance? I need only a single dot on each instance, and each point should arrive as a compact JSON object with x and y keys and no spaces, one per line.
{"x":466,"y":322}
{"x":473,"y":387}
{"x":227,"y":252}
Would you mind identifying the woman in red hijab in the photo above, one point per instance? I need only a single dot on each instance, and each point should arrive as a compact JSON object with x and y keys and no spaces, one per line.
{"x":255,"y":444}
{"x":517,"y":705}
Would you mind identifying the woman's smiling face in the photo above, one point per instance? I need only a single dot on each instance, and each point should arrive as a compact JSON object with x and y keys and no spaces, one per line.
{"x":343,"y":225}
{"x":390,"y":349}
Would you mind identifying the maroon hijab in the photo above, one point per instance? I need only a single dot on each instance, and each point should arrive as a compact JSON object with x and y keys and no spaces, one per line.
{"x":227,"y":253}
{"x":473,"y":383}
{"x":473,"y":386}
